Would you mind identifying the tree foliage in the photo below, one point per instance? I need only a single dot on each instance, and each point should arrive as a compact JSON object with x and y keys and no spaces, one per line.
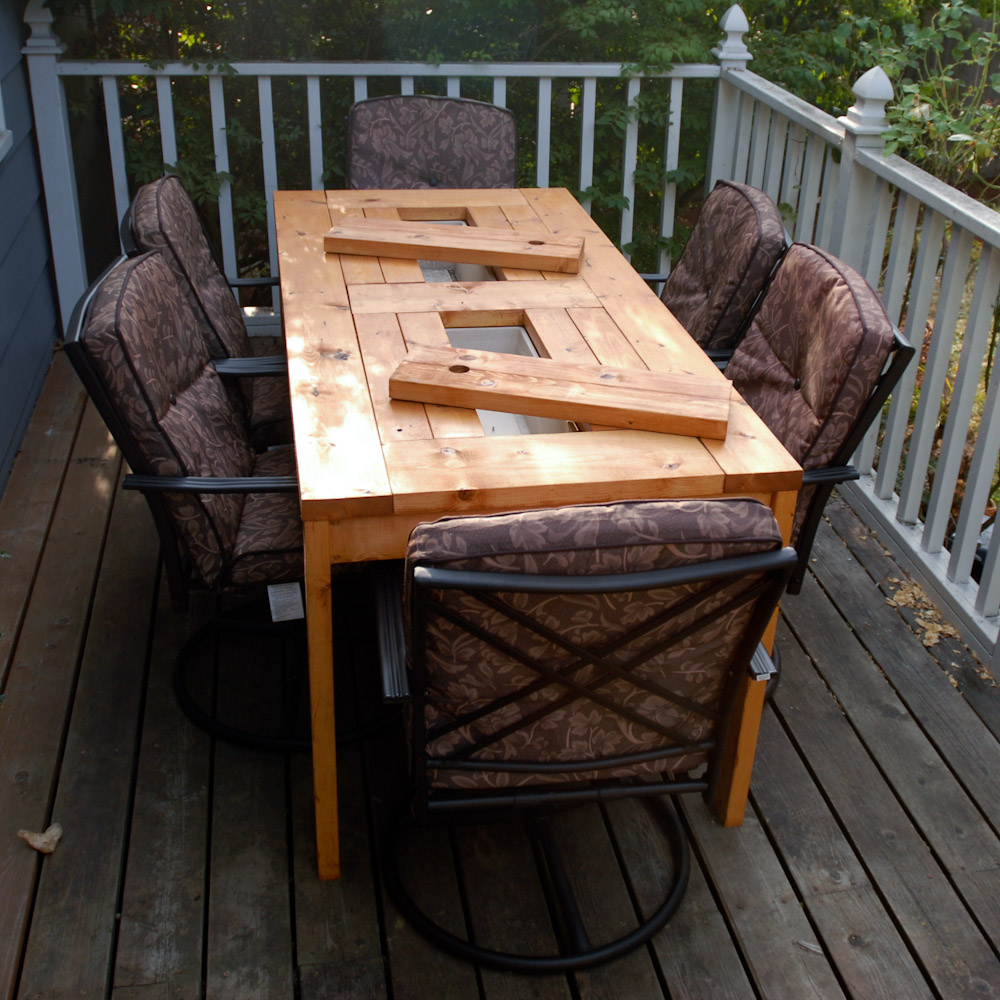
{"x":946,"y":116}
{"x":814,"y":47}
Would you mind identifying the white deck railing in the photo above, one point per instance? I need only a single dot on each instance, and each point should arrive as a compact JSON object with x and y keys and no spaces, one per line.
{"x":932,"y":252}
{"x":934,"y":255}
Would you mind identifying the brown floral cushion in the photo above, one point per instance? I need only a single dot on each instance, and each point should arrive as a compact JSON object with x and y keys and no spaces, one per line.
{"x":812,"y":356}
{"x":533,"y":722}
{"x":268,"y":546}
{"x":417,"y":141}
{"x":143,"y":342}
{"x":733,"y":248}
{"x":164,"y":217}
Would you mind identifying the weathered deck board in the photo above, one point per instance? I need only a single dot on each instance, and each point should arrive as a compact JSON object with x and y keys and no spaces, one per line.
{"x":969,"y":675}
{"x":868,"y":865}
{"x":852,"y":925}
{"x":29,"y":499}
{"x":772,"y":931}
{"x":80,"y":883}
{"x":162,"y":907}
{"x":249,"y":932}
{"x":39,"y":687}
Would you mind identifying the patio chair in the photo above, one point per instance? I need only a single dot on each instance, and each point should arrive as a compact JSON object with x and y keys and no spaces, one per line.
{"x":568,"y":656}
{"x":227,"y":516}
{"x":163,"y":217}
{"x":419,"y":141}
{"x":732,"y":251}
{"x":815,"y":365}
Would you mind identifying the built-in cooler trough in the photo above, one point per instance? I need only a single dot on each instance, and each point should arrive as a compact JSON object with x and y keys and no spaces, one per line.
{"x":501,"y":339}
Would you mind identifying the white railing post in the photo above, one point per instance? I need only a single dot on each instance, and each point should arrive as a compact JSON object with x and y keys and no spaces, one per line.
{"x":864,"y":124}
{"x":732,"y":54}
{"x":55,"y":154}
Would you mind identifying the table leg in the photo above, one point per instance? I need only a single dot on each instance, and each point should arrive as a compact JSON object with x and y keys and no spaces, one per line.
{"x":319,"y":626}
{"x":733,"y":787}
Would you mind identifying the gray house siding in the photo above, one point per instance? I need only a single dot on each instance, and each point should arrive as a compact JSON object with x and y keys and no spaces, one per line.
{"x":29,"y":319}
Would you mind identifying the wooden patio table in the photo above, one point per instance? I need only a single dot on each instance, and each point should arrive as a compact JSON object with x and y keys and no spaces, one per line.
{"x":371,"y":467}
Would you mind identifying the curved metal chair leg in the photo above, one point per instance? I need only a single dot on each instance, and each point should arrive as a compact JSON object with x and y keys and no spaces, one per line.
{"x":577,"y":951}
{"x":207,"y":720}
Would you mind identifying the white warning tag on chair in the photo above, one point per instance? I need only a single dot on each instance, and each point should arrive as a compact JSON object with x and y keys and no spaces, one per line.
{"x":286,"y":601}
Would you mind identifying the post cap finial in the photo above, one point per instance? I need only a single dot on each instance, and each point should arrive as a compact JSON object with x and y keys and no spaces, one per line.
{"x":867,"y":117}
{"x":39,"y":18}
{"x":731,"y":52}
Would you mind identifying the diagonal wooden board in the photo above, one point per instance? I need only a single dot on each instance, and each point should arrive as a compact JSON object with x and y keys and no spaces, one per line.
{"x":457,"y":244}
{"x":669,"y":402}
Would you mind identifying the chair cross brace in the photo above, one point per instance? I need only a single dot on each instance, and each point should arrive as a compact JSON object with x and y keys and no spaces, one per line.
{"x":620,"y":669}
{"x":483,"y":586}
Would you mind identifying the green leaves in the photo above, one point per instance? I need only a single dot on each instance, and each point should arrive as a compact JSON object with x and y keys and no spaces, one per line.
{"x":947,"y":115}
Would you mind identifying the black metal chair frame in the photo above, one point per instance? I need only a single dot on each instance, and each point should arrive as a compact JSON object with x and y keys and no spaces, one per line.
{"x":180,"y":578}
{"x":767,"y":574}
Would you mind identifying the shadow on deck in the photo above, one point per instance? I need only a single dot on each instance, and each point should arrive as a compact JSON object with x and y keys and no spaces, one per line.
{"x":868,"y":864}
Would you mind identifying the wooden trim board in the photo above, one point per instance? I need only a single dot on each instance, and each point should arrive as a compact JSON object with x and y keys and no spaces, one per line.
{"x":464,"y":297}
{"x":456,"y":244}
{"x":668,"y":402}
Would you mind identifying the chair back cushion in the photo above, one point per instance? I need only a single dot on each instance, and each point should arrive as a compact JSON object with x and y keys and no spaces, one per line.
{"x":812,"y":356}
{"x":738,"y":239}
{"x":416,"y":141}
{"x":163,"y":217}
{"x":676,"y":645}
{"x":143,"y":343}
{"x":813,"y":353}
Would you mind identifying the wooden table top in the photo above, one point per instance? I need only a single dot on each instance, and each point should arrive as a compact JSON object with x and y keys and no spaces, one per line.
{"x":349,"y":320}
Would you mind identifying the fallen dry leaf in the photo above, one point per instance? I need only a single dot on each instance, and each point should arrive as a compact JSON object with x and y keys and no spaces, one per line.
{"x":44,"y":843}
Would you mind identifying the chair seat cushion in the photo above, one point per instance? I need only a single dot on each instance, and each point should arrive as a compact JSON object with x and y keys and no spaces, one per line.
{"x":271,"y":412}
{"x":268,"y":547}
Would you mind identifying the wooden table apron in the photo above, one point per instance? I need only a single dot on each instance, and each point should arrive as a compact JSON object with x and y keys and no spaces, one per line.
{"x":370,"y":467}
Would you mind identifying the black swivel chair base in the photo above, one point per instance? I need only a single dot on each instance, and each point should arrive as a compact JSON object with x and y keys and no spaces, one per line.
{"x":576,"y":949}
{"x":284,"y":739}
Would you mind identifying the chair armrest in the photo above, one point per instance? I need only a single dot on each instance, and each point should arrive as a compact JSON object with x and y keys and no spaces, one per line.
{"x":391,"y":638}
{"x":268,"y":282}
{"x":762,"y":667}
{"x":654,"y":277}
{"x":274,"y":364}
{"x":830,"y":474}
{"x":720,"y":355}
{"x":130,"y":246}
{"x":211,"y":484}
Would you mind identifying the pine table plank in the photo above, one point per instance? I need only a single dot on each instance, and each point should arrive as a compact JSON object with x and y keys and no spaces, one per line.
{"x":637,"y":399}
{"x":537,"y":470}
{"x":491,"y":299}
{"x":455,"y":244}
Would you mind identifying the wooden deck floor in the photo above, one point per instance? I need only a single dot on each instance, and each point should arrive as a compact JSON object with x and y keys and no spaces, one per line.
{"x":868,"y":864}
